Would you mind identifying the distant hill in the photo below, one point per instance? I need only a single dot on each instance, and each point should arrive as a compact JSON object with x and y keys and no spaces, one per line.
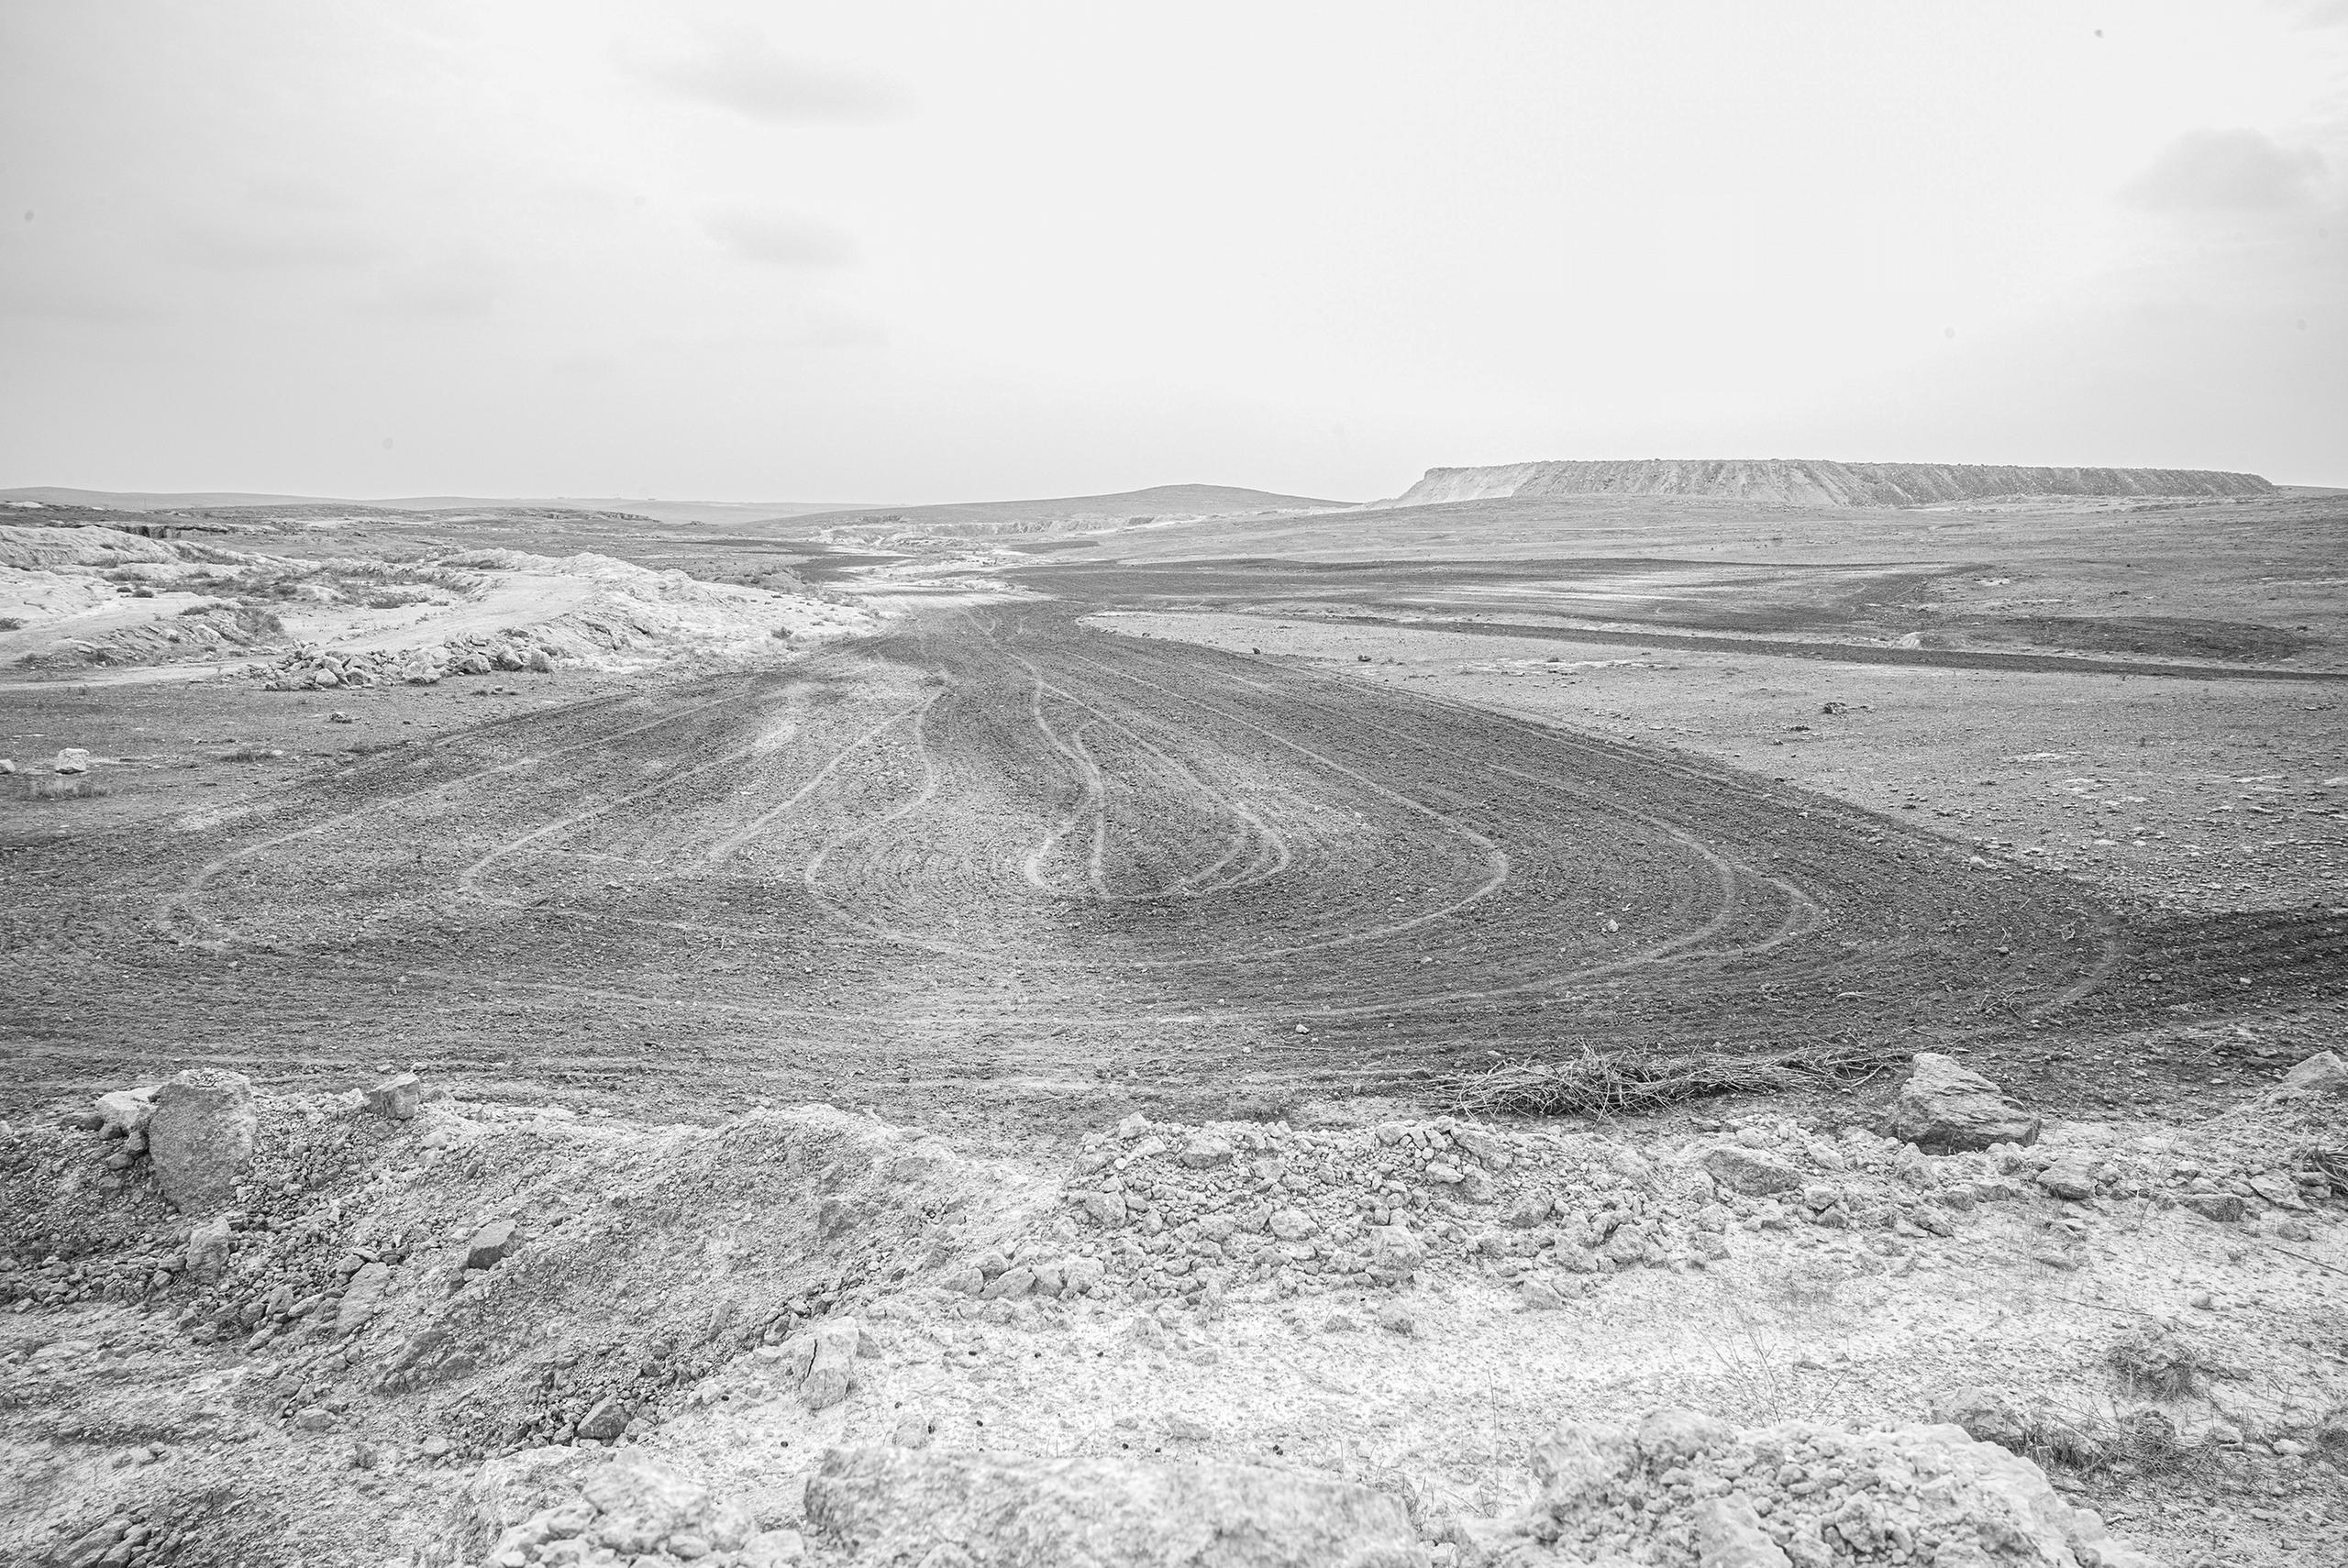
{"x":1815,"y":482}
{"x":1164,"y":502}
{"x":208,"y":499}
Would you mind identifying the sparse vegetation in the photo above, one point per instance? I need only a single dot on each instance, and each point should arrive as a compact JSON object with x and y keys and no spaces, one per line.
{"x":1592,"y":1084}
{"x":2157,"y":1364}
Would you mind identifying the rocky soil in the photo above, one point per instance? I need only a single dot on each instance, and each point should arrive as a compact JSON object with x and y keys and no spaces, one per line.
{"x":394,"y":1326}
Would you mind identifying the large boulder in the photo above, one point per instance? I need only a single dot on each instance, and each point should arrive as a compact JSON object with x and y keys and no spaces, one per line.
{"x":200,"y":1137}
{"x":1945,"y":1105}
{"x":896,"y":1504}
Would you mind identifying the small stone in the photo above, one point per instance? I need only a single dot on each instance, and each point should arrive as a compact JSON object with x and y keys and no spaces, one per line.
{"x":1395,"y":1254}
{"x":1133,"y":1126}
{"x":1292,"y":1225}
{"x":1009,"y":1285}
{"x":1205,"y":1150}
{"x":687,"y":1547}
{"x":912,"y":1431}
{"x":606,"y":1421}
{"x":1188,"y":1429}
{"x":2068,"y":1178}
{"x":71,"y":759}
{"x":2323,"y":1073}
{"x":1338,"y":1323}
{"x":207,"y":1249}
{"x":489,"y":1245}
{"x":1531,"y":1210}
{"x":831,"y":1372}
{"x":1396,"y":1319}
{"x":394,"y":1098}
{"x":433,"y":1447}
{"x":126,"y":1112}
{"x":2224,"y":1207}
{"x":1749,"y":1171}
{"x":774,"y":1548}
{"x":314,"y":1419}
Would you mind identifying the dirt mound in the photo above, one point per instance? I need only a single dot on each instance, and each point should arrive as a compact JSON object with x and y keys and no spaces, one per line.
{"x":508,"y":1332}
{"x":1816,"y":482}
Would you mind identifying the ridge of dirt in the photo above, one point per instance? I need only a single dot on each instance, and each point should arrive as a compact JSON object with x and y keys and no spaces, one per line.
{"x":407,"y":1312}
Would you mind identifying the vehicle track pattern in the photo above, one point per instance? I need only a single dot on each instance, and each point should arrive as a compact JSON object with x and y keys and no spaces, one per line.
{"x":1001,"y":844}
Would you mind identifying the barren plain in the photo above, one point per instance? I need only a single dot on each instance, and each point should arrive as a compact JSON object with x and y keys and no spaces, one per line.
{"x":779,"y":925}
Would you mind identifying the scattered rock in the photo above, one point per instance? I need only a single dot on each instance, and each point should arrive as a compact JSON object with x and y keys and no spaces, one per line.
{"x":831,"y":1367}
{"x":72,"y":759}
{"x":207,"y":1249}
{"x":2323,"y":1073}
{"x":363,"y":1297}
{"x":489,"y":1245}
{"x":200,"y":1137}
{"x":1749,"y":1171}
{"x":606,"y":1419}
{"x":2224,"y":1207}
{"x":2068,"y":1178}
{"x":395,"y":1097}
{"x":1947,"y":1105}
{"x":125,"y":1111}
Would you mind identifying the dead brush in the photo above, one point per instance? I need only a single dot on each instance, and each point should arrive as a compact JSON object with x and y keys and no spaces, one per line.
{"x":2158,"y":1365}
{"x":1594,"y":1083}
{"x":2150,"y":1440}
{"x":2053,"y":1437}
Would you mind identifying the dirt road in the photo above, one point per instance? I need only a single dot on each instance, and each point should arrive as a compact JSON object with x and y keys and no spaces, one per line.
{"x":999,"y":863}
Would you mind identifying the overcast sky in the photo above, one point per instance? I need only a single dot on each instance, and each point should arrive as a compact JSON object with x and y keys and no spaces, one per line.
{"x":914,"y":252}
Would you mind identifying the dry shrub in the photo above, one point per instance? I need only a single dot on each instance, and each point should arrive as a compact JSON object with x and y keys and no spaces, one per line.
{"x":2151,"y":1440}
{"x":2051,"y":1437}
{"x":1593,"y":1083}
{"x":2157,"y":1364}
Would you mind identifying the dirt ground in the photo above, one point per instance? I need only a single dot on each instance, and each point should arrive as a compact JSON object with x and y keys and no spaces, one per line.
{"x":1199,"y":823}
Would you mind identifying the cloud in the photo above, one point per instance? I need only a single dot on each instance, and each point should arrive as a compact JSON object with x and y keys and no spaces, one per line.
{"x":831,"y":328}
{"x":781,"y":240}
{"x":464,"y":283}
{"x":2224,"y":170}
{"x":742,"y":71}
{"x":233,"y":242}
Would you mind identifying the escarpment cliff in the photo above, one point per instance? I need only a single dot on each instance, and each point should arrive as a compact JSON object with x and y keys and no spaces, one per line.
{"x":1814,"y":483}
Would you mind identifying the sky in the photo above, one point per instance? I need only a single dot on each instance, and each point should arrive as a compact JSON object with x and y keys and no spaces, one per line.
{"x":911,"y":252}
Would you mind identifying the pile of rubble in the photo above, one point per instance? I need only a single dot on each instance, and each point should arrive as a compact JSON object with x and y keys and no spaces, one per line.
{"x":317,"y":668}
{"x":1245,"y":1211}
{"x":410,"y":1286}
{"x":1683,"y":1488}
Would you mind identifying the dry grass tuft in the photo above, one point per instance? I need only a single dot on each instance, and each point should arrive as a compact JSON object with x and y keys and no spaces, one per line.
{"x":2158,"y":1365}
{"x":1593,"y":1083}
